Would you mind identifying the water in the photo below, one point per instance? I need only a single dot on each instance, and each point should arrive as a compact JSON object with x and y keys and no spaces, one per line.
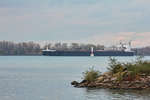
{"x":48,"y":78}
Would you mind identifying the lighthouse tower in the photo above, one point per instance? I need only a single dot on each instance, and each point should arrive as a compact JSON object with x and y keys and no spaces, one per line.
{"x":92,"y":52}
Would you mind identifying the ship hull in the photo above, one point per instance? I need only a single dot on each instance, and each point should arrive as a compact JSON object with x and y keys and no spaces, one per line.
{"x":87,"y":53}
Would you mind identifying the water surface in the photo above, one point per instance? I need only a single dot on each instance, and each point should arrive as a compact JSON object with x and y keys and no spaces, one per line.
{"x":48,"y":78}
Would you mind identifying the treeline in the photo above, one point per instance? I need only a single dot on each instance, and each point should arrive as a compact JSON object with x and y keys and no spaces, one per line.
{"x":143,"y":51}
{"x":24,"y":48}
{"x":32,"y":48}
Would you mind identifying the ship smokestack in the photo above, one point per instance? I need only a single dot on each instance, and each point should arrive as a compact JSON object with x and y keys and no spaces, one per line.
{"x":47,"y":48}
{"x":92,"y":52}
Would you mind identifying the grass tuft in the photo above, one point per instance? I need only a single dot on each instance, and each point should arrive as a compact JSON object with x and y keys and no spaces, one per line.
{"x":91,"y":74}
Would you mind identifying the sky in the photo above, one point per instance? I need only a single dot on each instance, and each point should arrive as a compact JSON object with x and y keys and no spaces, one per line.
{"x":84,"y":21}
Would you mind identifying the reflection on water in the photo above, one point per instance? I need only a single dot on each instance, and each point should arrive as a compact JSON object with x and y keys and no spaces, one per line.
{"x":112,"y":94}
{"x":48,"y":78}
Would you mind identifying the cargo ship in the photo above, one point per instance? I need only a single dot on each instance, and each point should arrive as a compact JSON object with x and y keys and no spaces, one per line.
{"x":121,"y":50}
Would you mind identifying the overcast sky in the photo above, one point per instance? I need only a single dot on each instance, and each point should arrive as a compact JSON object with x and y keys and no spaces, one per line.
{"x":87,"y":21}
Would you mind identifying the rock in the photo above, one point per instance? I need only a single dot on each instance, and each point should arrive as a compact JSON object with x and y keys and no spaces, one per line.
{"x":100,"y":79}
{"x":107,"y":74}
{"x":108,"y":85}
{"x":99,"y":84}
{"x":142,"y":74}
{"x":148,"y":77}
{"x":84,"y":81}
{"x":113,"y":79}
{"x":82,"y":85}
{"x":75,"y":83}
{"x":92,"y":84}
{"x":126,"y":82}
{"x":106,"y":80}
{"x":143,"y":80}
{"x":137,"y":81}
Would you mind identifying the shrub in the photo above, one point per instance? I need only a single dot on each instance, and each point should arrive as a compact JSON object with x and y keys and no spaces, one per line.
{"x":91,"y":74}
{"x":115,"y":66}
{"x":139,"y":67}
{"x":144,"y":68}
{"x":135,"y":68}
{"x":139,"y":60}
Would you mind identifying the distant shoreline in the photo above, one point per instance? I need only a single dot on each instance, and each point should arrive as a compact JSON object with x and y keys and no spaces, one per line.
{"x":21,"y":55}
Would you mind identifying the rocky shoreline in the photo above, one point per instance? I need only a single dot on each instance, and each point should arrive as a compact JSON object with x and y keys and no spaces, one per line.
{"x":114,"y":81}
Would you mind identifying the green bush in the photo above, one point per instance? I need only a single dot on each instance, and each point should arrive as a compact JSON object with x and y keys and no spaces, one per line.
{"x":134,"y":68}
{"x":115,"y":66}
{"x":144,"y":67}
{"x":91,"y":74}
{"x":139,"y":66}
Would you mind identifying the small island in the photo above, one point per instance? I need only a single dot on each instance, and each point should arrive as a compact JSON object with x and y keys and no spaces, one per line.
{"x":135,"y":75}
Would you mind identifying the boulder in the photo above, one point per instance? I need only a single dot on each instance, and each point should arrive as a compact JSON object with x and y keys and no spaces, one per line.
{"x":100,"y":79}
{"x":106,"y":80}
{"x":148,"y":77}
{"x":107,"y":74}
{"x":84,"y":81}
{"x":75,"y":83}
{"x":92,"y":84}
{"x":113,"y":79}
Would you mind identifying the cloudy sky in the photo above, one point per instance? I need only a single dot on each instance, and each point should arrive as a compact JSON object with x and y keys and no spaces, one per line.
{"x":87,"y":21}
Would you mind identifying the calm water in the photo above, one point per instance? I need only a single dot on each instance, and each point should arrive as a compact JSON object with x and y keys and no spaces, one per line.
{"x":48,"y":78}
